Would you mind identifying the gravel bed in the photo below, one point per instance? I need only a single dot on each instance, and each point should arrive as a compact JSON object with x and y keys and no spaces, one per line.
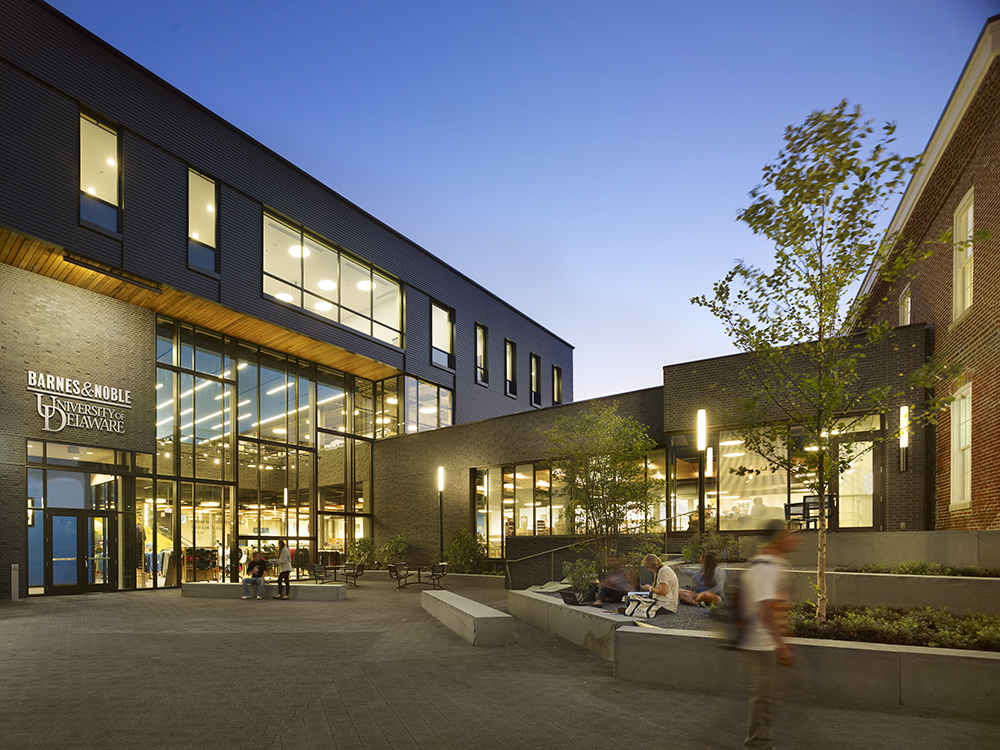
{"x":685,"y":618}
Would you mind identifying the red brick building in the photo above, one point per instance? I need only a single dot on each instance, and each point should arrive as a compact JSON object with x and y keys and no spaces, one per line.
{"x":956,"y":292}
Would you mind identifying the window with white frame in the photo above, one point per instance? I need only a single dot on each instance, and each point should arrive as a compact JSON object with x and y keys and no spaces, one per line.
{"x":904,"y":307}
{"x":961,"y":447}
{"x":963,"y":257}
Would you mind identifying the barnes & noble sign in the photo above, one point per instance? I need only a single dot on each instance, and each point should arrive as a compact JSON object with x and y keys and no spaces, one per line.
{"x":66,"y":402}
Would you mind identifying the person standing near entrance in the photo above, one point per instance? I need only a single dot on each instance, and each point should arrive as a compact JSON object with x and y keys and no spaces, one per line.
{"x":764,"y":601}
{"x":284,"y":569}
{"x":256,"y":570}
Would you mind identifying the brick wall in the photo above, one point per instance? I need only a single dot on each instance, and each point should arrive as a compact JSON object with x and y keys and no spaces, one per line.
{"x":63,"y":330}
{"x":971,"y":160}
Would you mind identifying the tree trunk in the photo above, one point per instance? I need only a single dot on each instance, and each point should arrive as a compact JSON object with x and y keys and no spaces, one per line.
{"x":821,"y":546}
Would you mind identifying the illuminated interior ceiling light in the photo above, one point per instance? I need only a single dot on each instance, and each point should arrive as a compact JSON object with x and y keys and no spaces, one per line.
{"x":194,"y":235}
{"x":733,"y":455}
{"x":323,"y":306}
{"x":210,"y":208}
{"x":91,"y":191}
{"x":365,"y":285}
{"x":424,"y":410}
{"x":280,"y":431}
{"x":284,"y":297}
{"x":326,"y":284}
{"x":111,"y":162}
{"x":392,"y":400}
{"x":298,"y":251}
{"x":812,"y":447}
{"x":731,"y":442}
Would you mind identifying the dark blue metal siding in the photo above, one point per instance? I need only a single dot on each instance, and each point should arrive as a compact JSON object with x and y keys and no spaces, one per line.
{"x":163,"y":132}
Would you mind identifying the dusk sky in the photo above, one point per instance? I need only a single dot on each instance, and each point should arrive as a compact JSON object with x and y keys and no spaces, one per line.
{"x":584,"y":161}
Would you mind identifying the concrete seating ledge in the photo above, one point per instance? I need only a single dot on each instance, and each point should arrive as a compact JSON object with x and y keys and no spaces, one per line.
{"x":305,"y":592}
{"x":478,"y":624}
{"x":592,"y":628}
{"x":867,"y":675}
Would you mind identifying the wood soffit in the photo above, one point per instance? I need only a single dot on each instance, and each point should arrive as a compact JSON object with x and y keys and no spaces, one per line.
{"x":47,"y":260}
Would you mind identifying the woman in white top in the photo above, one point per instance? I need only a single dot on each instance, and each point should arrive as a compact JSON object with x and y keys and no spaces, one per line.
{"x":663,"y":590}
{"x":284,"y":569}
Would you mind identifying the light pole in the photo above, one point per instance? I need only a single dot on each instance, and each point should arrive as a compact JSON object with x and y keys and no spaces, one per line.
{"x":441,"y":513}
{"x":702,"y":445}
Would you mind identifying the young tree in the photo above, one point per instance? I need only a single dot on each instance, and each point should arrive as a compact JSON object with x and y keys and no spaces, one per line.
{"x":602,"y":456}
{"x":819,"y":204}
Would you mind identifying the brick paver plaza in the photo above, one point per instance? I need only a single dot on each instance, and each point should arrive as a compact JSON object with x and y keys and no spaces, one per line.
{"x":158,"y":670}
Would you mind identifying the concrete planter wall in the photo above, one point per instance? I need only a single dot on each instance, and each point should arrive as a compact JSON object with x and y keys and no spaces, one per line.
{"x":942,"y":681}
{"x":589,"y":627}
{"x":956,"y":593}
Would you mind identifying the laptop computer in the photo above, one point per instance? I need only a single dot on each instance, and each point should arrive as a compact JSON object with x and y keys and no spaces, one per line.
{"x":569,"y":597}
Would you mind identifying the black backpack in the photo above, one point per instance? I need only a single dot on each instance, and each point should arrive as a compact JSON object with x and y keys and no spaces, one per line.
{"x":731,"y":618}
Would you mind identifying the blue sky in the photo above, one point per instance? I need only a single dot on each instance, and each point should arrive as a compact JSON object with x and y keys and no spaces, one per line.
{"x":584,"y":161}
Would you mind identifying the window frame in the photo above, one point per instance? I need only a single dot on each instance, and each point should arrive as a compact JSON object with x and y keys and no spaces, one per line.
{"x":535,"y":380}
{"x":443,"y":358}
{"x":905,"y":307}
{"x":119,"y":185}
{"x":961,"y":448}
{"x":197,"y":242}
{"x":482,"y":361}
{"x":510,"y":368}
{"x":963,"y":263}
{"x":557,"y":393}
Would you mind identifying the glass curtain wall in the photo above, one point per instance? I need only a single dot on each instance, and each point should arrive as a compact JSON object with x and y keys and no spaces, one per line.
{"x":248,"y":441}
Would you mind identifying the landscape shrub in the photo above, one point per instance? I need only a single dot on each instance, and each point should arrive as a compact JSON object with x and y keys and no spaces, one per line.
{"x":394,"y":549}
{"x":580,"y":573}
{"x":920,"y":626}
{"x":362,"y":551}
{"x":725,"y":547}
{"x":466,"y":553}
{"x":922,"y":568}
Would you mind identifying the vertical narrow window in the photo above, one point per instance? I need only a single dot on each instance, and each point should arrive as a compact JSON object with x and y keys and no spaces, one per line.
{"x":963,"y":264}
{"x":201,"y":221}
{"x":442,"y":336}
{"x":99,"y":183}
{"x":904,"y":307}
{"x":482,"y":354}
{"x":557,"y":396}
{"x":510,"y":367}
{"x":961,"y":447}
{"x":536,"y":380}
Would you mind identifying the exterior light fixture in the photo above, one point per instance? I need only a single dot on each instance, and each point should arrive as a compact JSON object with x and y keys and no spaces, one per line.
{"x":702,"y":430}
{"x":904,"y":437}
{"x":441,"y":513}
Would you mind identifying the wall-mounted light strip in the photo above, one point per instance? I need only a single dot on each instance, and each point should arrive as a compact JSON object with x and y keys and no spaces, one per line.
{"x":112,"y":274}
{"x":904,"y":437}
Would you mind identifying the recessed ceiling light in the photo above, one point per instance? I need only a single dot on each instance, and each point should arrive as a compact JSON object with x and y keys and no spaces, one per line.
{"x":194,"y":235}
{"x":323,"y":306}
{"x":280,"y":431}
{"x":326,"y":284}
{"x":210,"y":207}
{"x":299,"y":251}
{"x":92,"y":191}
{"x":365,"y":285}
{"x":111,"y":161}
{"x":284,"y":296}
{"x":392,"y":400}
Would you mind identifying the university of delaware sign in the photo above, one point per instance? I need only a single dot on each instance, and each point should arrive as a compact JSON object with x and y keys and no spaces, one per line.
{"x":65,"y":402}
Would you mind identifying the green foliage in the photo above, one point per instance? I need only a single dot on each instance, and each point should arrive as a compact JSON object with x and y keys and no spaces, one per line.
{"x":921,"y":626}
{"x":580,"y":573}
{"x":394,"y":549}
{"x":602,"y":460}
{"x":466,"y":553}
{"x":811,"y":346}
{"x":725,"y":547}
{"x":362,"y":551}
{"x":923,"y":568}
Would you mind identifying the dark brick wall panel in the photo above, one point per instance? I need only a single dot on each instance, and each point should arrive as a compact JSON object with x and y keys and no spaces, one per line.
{"x":59,"y":329}
{"x":405,"y":482}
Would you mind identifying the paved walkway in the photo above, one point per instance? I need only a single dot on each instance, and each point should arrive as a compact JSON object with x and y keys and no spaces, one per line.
{"x":156,"y":670}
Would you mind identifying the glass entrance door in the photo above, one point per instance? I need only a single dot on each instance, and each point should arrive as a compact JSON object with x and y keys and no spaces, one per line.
{"x":859,"y":491}
{"x":79,"y":547}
